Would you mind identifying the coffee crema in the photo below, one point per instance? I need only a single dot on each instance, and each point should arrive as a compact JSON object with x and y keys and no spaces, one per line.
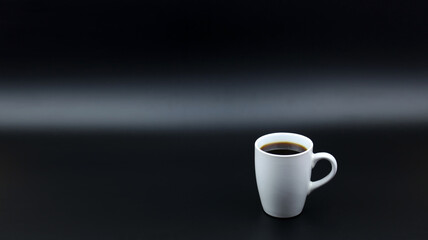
{"x":283,"y":148}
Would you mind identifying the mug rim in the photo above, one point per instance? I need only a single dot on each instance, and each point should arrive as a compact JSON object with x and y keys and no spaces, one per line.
{"x":283,"y":133}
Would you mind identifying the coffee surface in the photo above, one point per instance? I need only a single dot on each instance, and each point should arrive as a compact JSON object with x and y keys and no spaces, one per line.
{"x":283,"y":148}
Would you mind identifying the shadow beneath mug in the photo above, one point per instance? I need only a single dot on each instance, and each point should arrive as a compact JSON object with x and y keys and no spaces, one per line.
{"x":269,"y":227}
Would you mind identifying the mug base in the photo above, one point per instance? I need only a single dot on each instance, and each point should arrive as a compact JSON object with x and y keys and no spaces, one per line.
{"x":276,"y":215}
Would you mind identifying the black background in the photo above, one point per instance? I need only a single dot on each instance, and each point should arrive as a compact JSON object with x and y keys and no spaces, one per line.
{"x":169,"y":36}
{"x":137,"y":119}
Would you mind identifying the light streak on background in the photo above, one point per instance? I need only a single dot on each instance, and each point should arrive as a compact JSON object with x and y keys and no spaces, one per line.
{"x":278,"y":101}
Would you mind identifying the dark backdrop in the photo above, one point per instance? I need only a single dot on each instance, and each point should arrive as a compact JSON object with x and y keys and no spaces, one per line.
{"x":168,"y":36}
{"x":216,"y":64}
{"x":136,"y":119}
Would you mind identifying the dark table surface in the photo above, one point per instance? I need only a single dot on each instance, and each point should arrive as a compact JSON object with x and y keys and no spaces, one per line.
{"x":201,"y":185}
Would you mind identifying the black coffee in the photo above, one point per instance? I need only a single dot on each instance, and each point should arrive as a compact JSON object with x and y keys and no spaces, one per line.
{"x":283,"y":148}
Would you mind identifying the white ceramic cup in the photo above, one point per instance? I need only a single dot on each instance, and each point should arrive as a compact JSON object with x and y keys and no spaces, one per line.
{"x":284,"y":181}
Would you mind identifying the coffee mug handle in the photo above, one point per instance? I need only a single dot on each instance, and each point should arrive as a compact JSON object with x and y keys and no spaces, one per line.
{"x":315,"y":158}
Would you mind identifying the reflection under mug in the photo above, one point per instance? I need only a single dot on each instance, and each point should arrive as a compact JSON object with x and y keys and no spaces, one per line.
{"x":284,"y":181}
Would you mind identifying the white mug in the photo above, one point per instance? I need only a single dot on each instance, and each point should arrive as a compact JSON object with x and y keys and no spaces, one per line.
{"x":284,"y":181}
